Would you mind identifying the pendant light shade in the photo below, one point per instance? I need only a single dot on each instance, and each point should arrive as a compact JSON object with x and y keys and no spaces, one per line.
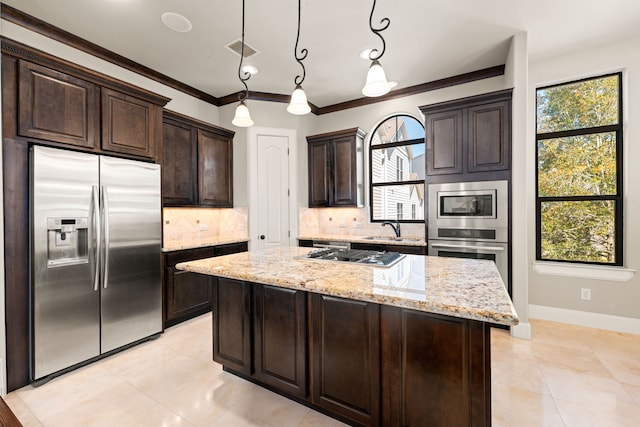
{"x":376,"y":84}
{"x":298,"y":104}
{"x":242,"y":117}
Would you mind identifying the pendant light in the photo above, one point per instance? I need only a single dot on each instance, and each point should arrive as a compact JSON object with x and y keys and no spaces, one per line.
{"x":242,"y":117}
{"x":376,"y":84}
{"x":298,"y":104}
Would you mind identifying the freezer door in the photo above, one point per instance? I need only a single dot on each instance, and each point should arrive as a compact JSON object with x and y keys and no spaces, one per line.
{"x":131,"y":296}
{"x":65,"y":304}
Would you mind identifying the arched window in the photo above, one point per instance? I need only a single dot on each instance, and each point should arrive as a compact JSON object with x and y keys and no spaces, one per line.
{"x":397,"y":170}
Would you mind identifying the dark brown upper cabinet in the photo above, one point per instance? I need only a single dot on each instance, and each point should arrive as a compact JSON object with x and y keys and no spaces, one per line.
{"x":197,"y":163}
{"x":336,"y":168}
{"x":55,"y":106}
{"x":215,"y":169}
{"x":130,"y":125}
{"x":468,"y":135}
{"x":179,"y":162}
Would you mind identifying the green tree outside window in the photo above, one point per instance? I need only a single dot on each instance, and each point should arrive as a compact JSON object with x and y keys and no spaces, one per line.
{"x":579,"y":163}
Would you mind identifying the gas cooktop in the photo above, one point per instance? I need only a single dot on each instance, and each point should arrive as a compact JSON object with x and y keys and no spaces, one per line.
{"x":359,"y":256}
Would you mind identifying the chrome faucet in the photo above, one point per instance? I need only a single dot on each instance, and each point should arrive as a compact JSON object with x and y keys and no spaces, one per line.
{"x":396,"y":228}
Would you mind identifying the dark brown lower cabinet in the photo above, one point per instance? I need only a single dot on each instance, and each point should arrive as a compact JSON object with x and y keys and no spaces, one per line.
{"x":346,"y":357}
{"x":436,"y":370}
{"x":280,"y":321}
{"x":363,"y":363}
{"x":232,"y":324}
{"x":187,"y":294}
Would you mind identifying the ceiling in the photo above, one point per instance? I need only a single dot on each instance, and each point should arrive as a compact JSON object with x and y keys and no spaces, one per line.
{"x":427,"y":39}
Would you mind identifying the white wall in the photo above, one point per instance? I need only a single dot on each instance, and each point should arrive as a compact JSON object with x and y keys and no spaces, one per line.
{"x":521,"y":172}
{"x":613,"y":298}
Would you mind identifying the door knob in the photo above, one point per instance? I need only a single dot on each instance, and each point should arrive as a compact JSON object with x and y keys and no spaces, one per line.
{"x":262,"y":237}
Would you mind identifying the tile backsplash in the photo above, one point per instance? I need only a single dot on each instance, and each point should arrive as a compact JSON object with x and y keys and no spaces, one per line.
{"x":189,"y":224}
{"x":349,"y":222}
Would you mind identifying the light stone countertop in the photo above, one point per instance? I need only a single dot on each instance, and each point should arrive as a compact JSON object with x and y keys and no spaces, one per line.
{"x":466,"y":288}
{"x":179,"y":245}
{"x":383,"y":240}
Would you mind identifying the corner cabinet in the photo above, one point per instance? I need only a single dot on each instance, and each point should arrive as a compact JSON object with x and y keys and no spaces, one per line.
{"x":336,"y":168}
{"x":469,"y":136}
{"x":187,"y":294}
{"x":197,"y":163}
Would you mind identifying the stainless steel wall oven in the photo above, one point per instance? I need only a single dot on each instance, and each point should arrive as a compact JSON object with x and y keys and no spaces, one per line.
{"x":470,"y":220}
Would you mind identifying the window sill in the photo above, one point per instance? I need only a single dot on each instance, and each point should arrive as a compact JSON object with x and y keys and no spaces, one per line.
{"x":615,"y":274}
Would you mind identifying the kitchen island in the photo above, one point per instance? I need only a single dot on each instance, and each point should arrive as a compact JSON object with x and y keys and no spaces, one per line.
{"x":406,"y":345}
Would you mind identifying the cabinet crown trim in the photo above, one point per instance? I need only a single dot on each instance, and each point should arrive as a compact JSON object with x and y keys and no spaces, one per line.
{"x":336,"y":134}
{"x":500,"y":95}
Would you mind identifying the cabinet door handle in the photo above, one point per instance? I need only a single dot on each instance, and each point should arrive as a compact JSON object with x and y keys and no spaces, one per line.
{"x":262,"y":237}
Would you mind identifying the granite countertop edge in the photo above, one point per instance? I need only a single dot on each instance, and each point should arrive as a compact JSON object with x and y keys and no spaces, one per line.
{"x":361,"y":239}
{"x":195,"y":244}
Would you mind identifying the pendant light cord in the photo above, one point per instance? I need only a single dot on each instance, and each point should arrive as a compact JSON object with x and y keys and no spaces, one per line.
{"x":243,"y":76}
{"x":385,"y":24}
{"x":303,"y":54}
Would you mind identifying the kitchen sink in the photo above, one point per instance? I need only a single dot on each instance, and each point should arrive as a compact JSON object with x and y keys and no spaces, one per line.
{"x":395,"y":239}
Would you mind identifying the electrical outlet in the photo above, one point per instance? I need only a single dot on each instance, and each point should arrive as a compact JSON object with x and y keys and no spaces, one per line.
{"x":585,"y":294}
{"x":241,"y":226}
{"x":343,"y":225}
{"x":359,"y":225}
{"x":203,"y":227}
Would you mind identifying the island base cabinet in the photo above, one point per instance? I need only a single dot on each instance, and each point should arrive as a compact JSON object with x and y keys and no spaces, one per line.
{"x":363,"y":363}
{"x":280,"y":353}
{"x":345,"y":349}
{"x":232,"y":324}
{"x":436,"y":370}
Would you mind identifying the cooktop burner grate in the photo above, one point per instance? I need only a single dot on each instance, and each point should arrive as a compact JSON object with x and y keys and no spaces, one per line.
{"x":361,"y":256}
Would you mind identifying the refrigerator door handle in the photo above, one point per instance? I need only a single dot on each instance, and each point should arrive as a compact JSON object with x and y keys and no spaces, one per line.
{"x":105,"y":222}
{"x":95,"y":206}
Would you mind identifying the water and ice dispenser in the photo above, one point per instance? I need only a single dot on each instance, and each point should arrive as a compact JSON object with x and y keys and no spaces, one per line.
{"x":67,"y":241}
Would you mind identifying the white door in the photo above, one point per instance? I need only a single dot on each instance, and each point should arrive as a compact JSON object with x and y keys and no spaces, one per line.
{"x":271,"y":216}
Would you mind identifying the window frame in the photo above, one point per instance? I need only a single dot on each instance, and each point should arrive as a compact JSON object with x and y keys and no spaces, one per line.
{"x":616,"y":198}
{"x":406,"y":143}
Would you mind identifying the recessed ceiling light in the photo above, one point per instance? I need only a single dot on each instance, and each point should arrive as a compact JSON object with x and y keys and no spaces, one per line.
{"x":176,"y":22}
{"x":249,"y":69}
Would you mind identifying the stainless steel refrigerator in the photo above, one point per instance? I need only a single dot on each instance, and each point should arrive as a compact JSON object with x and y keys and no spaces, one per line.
{"x":95,"y":256}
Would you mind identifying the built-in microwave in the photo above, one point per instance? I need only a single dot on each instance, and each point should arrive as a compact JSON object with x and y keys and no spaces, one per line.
{"x":468,"y":211}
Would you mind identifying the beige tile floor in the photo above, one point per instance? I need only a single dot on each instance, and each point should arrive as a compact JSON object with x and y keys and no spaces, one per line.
{"x":565,"y":376}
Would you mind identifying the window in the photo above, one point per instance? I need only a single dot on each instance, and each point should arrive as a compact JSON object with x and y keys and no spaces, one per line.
{"x":397,"y":169}
{"x":579,"y":171}
{"x":413,"y":211}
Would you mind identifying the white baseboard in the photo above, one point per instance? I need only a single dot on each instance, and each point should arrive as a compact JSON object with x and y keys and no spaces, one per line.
{"x":585,"y":318}
{"x":521,"y":330}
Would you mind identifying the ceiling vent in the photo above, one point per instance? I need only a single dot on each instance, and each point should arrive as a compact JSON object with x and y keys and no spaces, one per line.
{"x":236,"y":47}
